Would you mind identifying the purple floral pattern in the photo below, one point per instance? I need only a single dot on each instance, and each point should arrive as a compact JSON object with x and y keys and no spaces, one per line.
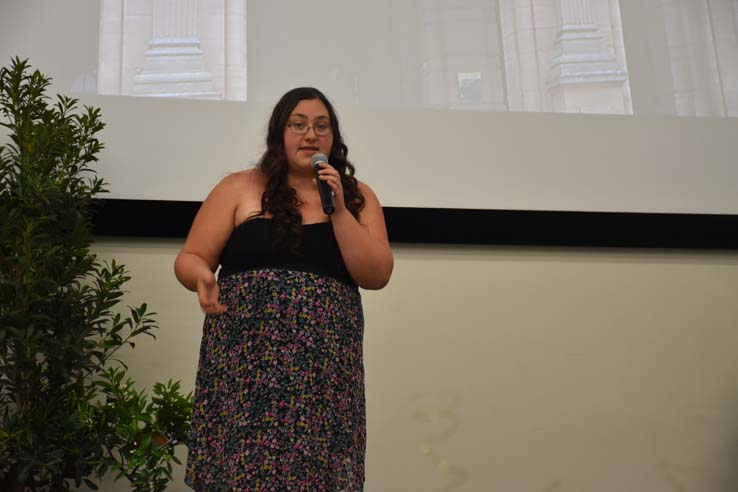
{"x":279,"y":399}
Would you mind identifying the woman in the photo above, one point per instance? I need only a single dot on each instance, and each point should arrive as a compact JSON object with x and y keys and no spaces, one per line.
{"x":279,"y":400}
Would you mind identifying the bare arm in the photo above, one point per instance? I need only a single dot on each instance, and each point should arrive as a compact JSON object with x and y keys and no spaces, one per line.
{"x":364,"y":244}
{"x":196,"y":263}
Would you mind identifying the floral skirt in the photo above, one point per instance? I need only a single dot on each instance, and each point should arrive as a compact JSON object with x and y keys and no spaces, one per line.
{"x":279,"y":398}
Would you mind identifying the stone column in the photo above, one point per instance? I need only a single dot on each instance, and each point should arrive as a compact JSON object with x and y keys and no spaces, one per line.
{"x":235,"y":50}
{"x":109,"y":52}
{"x":584,"y":75}
{"x":576,"y":12}
{"x":174,"y":64}
{"x":520,"y":47}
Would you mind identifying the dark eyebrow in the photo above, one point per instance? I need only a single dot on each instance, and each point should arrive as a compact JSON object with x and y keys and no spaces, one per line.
{"x":305,"y":116}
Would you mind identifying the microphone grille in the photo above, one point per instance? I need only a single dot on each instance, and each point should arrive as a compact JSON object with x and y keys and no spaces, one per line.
{"x":316,"y":158}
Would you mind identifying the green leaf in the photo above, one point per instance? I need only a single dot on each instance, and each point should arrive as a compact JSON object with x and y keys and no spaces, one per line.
{"x":69,"y":411}
{"x":91,"y":484}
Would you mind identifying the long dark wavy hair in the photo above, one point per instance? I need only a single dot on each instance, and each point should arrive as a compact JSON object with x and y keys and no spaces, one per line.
{"x":280,"y":199}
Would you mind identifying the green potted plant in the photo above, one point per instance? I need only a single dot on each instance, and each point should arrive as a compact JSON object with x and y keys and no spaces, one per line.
{"x":68,"y":412}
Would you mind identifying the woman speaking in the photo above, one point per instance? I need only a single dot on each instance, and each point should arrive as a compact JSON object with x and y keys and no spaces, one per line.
{"x":279,"y":399}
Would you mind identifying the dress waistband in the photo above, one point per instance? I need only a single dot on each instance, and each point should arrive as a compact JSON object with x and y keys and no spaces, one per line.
{"x":295,"y":267}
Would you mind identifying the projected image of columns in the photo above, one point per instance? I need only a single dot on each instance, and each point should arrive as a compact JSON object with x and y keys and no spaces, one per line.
{"x":173,"y":48}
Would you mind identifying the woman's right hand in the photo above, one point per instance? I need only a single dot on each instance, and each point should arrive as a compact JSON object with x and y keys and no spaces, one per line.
{"x":208,"y":294}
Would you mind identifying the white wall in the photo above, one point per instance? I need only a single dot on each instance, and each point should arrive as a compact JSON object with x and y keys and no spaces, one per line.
{"x":519,"y":369}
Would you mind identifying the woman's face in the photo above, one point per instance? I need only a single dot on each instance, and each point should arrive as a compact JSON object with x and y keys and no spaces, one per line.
{"x":300,"y":148}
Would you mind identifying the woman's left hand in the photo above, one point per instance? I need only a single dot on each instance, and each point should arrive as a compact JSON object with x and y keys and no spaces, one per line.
{"x":330,"y":175}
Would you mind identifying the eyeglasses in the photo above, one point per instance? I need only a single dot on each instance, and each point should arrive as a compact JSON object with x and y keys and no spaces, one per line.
{"x":321,"y":128}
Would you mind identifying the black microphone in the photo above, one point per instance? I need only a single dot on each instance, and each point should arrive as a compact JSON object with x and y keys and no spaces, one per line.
{"x":326,"y":193}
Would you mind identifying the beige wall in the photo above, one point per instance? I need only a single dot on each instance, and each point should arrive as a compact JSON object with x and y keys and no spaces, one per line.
{"x":494,"y":369}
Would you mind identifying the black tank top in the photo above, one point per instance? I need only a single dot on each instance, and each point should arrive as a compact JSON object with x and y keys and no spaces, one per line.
{"x":250,"y":247}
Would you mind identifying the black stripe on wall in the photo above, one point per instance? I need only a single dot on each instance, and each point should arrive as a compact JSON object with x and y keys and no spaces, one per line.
{"x":172,"y":219}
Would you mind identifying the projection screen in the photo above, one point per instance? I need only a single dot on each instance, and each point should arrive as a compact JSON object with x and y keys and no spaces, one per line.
{"x":502,"y":105}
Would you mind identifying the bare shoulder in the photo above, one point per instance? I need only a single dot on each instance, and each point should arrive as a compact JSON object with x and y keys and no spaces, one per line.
{"x":247,"y":178}
{"x":240,"y":184}
{"x":366,"y":190}
{"x":372,"y":211}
